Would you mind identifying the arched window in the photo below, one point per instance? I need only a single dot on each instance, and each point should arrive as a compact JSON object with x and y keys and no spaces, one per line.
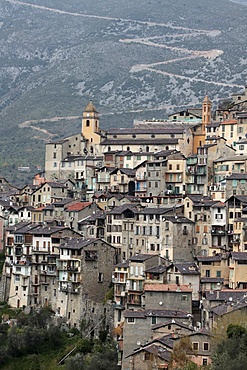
{"x":147,"y":149}
{"x":167,"y":147}
{"x":87,"y":123}
{"x":91,"y":149}
{"x":128,"y":148}
{"x":109,"y":148}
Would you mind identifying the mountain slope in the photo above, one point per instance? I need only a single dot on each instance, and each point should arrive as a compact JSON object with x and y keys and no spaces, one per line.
{"x":133,"y":59}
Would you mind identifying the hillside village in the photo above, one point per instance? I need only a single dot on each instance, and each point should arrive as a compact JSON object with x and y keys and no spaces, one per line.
{"x":139,"y":231}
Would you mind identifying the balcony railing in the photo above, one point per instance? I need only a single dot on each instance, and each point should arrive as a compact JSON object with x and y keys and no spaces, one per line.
{"x":215,"y":231}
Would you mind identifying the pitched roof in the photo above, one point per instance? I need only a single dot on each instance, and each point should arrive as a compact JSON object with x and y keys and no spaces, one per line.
{"x":158,"y":313}
{"x":234,"y":158}
{"x":229,"y":122}
{"x":173,"y":322}
{"x":166,"y":128}
{"x":155,"y":349}
{"x":212,"y":280}
{"x":239,"y":256}
{"x":145,"y":140}
{"x":187,"y":268}
{"x":166,"y":288}
{"x":215,"y":258}
{"x":79,"y":206}
{"x":237,"y":176}
{"x":225,"y":294}
{"x":157,"y":269}
{"x":77,"y":243}
{"x":90,"y":107}
{"x":219,"y":205}
{"x":142,"y":257}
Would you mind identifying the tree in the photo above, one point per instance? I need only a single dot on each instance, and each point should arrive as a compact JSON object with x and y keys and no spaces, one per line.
{"x":75,"y":363}
{"x":231,"y":353}
{"x":179,"y":357}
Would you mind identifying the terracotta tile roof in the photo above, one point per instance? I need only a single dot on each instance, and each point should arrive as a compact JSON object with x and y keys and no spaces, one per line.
{"x":167,"y":287}
{"x":79,"y":206}
{"x":229,"y":122}
{"x":219,"y":205}
{"x":38,"y":209}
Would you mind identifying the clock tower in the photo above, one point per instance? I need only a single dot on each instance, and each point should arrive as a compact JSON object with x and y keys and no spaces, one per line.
{"x":90,"y":124}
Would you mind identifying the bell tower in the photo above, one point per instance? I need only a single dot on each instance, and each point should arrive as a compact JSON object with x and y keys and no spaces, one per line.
{"x":90,"y":124}
{"x":206,"y":113}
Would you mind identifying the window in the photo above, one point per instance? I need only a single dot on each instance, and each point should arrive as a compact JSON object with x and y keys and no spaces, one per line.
{"x":100,"y":278}
{"x":219,"y":216}
{"x":130,"y":320}
{"x":148,"y":356}
{"x":207,"y":273}
{"x":154,"y":320}
{"x":195,"y":346}
{"x":17,"y":278}
{"x":184,"y":298}
{"x":218,"y":274}
{"x":205,"y":346}
{"x":87,"y":123}
{"x":204,"y":361}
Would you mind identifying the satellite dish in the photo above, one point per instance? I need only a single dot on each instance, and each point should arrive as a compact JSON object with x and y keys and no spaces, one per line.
{"x":138,"y":343}
{"x":160,"y":303}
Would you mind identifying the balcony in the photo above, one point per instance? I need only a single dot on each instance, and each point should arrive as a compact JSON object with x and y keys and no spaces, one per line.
{"x":22,"y":263}
{"x":51,"y":272}
{"x":190,"y":170}
{"x":136,"y":301}
{"x":117,"y":280}
{"x":218,"y":231}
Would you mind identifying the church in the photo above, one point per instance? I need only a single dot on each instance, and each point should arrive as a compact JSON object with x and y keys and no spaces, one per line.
{"x":75,"y":156}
